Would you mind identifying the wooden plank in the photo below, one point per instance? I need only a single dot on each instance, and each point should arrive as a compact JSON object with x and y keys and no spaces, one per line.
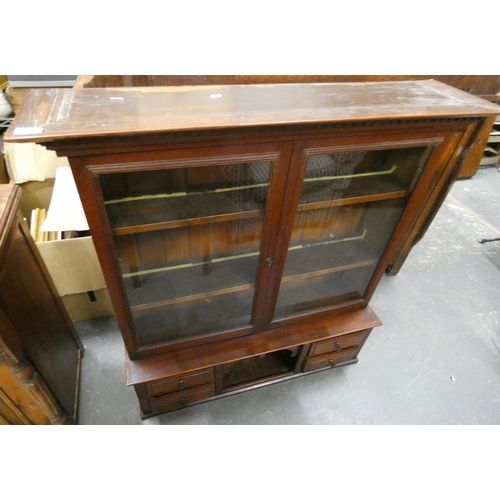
{"x":50,"y":114}
{"x":192,"y":298}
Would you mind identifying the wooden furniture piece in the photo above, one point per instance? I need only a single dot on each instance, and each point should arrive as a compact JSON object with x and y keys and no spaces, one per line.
{"x":485,"y":86}
{"x":39,"y":348}
{"x":243,"y":229}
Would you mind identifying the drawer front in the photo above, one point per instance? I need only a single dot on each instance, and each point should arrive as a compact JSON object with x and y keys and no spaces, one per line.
{"x":173,"y":384}
{"x":337,"y":343}
{"x":181,"y":399}
{"x":330,"y":359}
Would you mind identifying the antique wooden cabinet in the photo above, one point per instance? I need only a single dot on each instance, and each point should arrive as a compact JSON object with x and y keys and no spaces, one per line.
{"x":40,"y":351}
{"x":243,"y":229}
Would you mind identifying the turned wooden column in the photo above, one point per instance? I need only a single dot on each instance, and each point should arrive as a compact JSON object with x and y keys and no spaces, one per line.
{"x":24,"y":396}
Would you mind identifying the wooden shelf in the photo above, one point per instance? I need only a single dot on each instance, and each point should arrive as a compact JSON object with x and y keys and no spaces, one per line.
{"x":235,"y":273}
{"x":172,"y":295}
{"x":187,"y":299}
{"x":363,"y":191}
{"x":190,"y":279}
{"x":260,"y":368}
{"x":308,"y":274}
{"x":157,"y":212}
{"x":197,"y":317}
{"x":149,"y":213}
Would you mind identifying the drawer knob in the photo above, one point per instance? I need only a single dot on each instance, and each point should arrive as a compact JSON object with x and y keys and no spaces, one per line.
{"x":338,"y":346}
{"x":181,"y":384}
{"x":183,"y":402}
{"x":332,"y":362}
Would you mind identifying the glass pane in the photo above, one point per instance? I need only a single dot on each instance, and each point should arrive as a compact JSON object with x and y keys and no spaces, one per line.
{"x":168,"y":198}
{"x":349,"y":207}
{"x":188,"y":242}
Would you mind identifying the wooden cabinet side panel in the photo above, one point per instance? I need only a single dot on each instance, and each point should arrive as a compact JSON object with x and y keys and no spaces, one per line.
{"x":29,"y":300}
{"x":470,"y":162}
{"x":436,"y":196}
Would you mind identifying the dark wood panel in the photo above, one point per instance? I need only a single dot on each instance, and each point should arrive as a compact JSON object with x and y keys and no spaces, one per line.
{"x":38,"y":326}
{"x":49,"y":338}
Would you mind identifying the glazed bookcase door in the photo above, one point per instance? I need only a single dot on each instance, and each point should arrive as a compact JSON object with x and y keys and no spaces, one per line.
{"x":351,"y":200}
{"x":188,"y":235}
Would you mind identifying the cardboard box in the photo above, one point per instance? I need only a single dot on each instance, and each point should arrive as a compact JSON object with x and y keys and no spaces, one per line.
{"x":35,"y":195}
{"x":31,"y":162}
{"x":72,"y":263}
{"x":83,"y":306}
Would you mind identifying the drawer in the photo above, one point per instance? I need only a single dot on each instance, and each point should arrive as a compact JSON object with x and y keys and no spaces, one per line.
{"x":330,"y":359}
{"x":187,"y":381}
{"x":337,"y":343}
{"x":181,"y":399}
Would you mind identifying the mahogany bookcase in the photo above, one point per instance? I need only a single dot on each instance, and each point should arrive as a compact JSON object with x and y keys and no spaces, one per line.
{"x":243,"y":229}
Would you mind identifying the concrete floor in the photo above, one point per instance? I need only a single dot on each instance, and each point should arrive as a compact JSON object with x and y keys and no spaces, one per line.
{"x":436,"y":359}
